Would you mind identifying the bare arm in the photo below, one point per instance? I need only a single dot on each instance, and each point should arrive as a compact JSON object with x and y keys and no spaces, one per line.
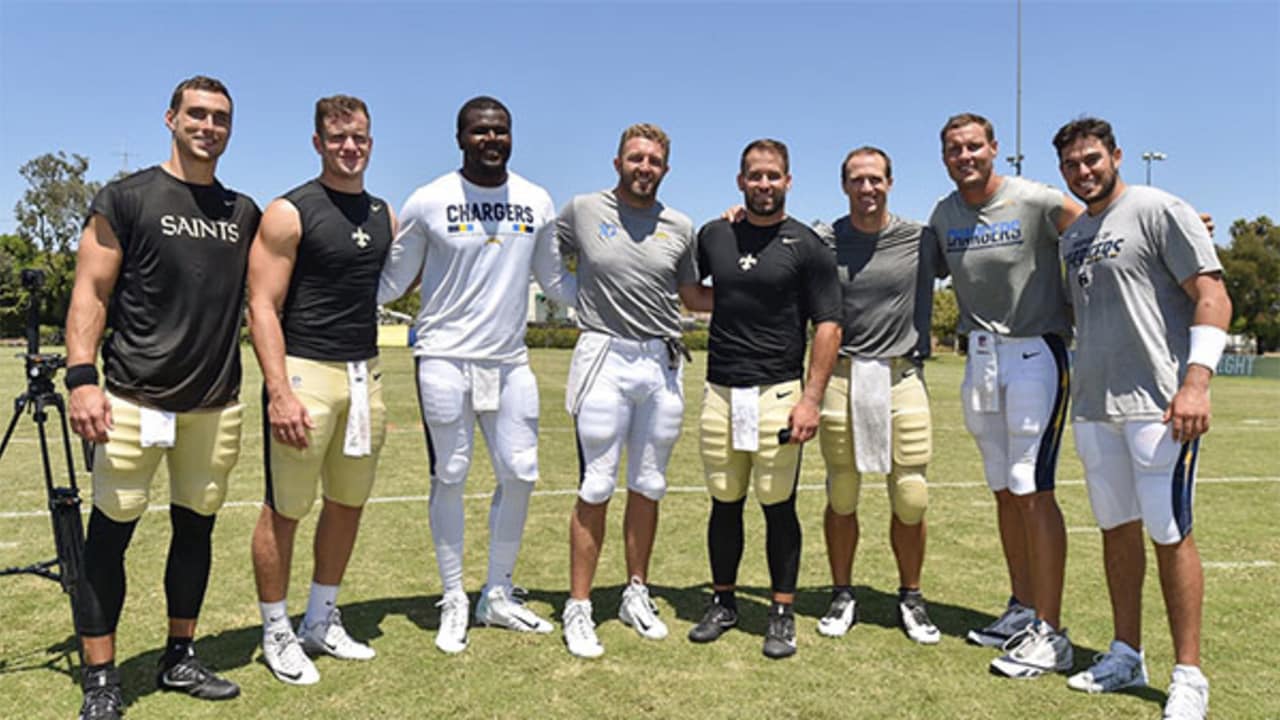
{"x":1070,"y":211}
{"x":402,"y":270}
{"x":1189,"y":411}
{"x":271,"y":260}
{"x":97,"y":268}
{"x":697,"y":297}
{"x":822,"y":359}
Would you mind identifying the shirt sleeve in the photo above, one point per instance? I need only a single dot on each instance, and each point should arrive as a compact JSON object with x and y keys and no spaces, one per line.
{"x":822,"y":291}
{"x":687,"y":264}
{"x":114,"y":205}
{"x":407,"y":254}
{"x":922,"y":316}
{"x":553,"y":276}
{"x":1187,"y":249}
{"x":700,"y":252}
{"x":932,"y":252}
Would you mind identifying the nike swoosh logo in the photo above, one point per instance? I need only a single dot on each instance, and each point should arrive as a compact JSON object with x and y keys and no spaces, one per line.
{"x":228,"y":203}
{"x":1028,"y":356}
{"x":375,"y":207}
{"x":526,"y":623}
{"x":643,"y":625}
{"x":289,"y":675}
{"x":172,"y":682}
{"x":784,"y":393}
{"x":790,"y":240}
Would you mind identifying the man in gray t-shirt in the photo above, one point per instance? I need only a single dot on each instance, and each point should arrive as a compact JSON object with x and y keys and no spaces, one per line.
{"x":875,"y":413}
{"x":998,"y":239}
{"x":1151,"y":313}
{"x":635,"y":262}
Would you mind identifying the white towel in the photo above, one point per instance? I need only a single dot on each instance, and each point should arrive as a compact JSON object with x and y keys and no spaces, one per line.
{"x":584,"y":367}
{"x":984,"y":386}
{"x":870,"y":416}
{"x":744,"y":416}
{"x":485,"y":386}
{"x":357,"y":442}
{"x":158,"y":428}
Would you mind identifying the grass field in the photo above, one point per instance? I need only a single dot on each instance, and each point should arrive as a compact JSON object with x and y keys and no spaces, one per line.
{"x":874,"y":672}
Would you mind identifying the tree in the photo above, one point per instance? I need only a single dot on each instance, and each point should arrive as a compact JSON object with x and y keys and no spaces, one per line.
{"x":1251,"y":268}
{"x":946,"y":315}
{"x":50,"y":216}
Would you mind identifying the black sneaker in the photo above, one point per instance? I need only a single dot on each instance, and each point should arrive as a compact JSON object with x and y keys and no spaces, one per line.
{"x":190,"y":676}
{"x":713,"y":624}
{"x":102,"y":697}
{"x":780,"y":636}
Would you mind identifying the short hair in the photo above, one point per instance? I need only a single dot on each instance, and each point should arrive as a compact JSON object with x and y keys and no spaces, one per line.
{"x":648,"y":132}
{"x":866,"y":150}
{"x":480,"y":102}
{"x":198,"y":82}
{"x":777,"y":147}
{"x":338,"y":106}
{"x":958,"y":121}
{"x":1084,"y":127}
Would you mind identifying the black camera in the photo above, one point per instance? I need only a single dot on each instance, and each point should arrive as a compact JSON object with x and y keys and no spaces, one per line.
{"x":32,"y":278}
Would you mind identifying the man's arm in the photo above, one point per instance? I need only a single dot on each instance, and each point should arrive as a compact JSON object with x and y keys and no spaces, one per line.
{"x":1189,"y":410}
{"x":696,"y":296}
{"x":554,"y":277}
{"x":1070,"y":211}
{"x":271,"y":260}
{"x":822,"y":359}
{"x":97,"y":268}
{"x":402,"y":270}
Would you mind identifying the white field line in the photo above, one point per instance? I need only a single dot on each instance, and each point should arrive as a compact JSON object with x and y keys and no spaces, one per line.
{"x":1234,"y":565}
{"x":675,"y":489}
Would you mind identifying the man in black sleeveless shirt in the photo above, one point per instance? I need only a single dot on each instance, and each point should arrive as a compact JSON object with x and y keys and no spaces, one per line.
{"x":772,"y":277}
{"x":161,"y":268}
{"x":313,"y":282}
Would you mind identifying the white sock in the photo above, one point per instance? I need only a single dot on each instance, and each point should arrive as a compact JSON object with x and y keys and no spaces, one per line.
{"x":323,"y":599}
{"x":448,"y":521}
{"x":275,"y":617}
{"x":507,"y":514}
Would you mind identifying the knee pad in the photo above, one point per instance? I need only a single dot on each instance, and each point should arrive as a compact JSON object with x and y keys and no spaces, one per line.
{"x":908,"y":494}
{"x":596,"y":489}
{"x":651,"y":485}
{"x":843,"y":490}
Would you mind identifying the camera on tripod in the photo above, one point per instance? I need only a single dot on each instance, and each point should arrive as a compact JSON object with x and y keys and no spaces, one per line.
{"x":64,"y":500}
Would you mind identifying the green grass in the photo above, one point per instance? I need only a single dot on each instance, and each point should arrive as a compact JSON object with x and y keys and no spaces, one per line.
{"x":392,"y":585}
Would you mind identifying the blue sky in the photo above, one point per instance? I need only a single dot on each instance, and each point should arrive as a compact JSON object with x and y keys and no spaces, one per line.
{"x":1199,"y":81}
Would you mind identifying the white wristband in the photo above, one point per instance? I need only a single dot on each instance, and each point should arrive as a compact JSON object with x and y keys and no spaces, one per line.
{"x":1207,"y":343}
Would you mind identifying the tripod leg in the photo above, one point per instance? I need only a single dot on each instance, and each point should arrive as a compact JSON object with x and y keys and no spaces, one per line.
{"x":18,"y":406}
{"x":68,"y":537}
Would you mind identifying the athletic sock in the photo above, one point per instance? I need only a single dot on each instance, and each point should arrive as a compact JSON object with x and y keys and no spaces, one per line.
{"x":780,"y":608}
{"x":175,"y":650}
{"x":323,"y":599}
{"x":507,"y":514}
{"x":447,"y":526}
{"x":904,"y":594}
{"x":275,"y":617}
{"x":726,"y":600}
{"x":845,"y":589}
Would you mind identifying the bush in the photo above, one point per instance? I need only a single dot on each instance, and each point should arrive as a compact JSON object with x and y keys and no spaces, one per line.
{"x":565,"y":337}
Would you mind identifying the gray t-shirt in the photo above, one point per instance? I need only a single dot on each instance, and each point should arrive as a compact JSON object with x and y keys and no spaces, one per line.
{"x":1003,"y":258}
{"x":886,"y":290}
{"x":630,"y":263}
{"x":1126,"y":267}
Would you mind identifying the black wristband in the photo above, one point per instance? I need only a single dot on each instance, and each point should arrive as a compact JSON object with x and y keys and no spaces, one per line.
{"x":78,"y":375}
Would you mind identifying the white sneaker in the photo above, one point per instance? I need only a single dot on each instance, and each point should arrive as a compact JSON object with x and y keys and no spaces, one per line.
{"x":841,"y":615}
{"x":1014,"y":620}
{"x":1188,"y":694}
{"x":283,"y":654}
{"x":451,"y":637}
{"x":913,"y":615}
{"x":580,"y":630}
{"x":638,"y":611}
{"x":498,"y":606}
{"x":1118,"y":669}
{"x":331,"y":638}
{"x":1037,"y":650}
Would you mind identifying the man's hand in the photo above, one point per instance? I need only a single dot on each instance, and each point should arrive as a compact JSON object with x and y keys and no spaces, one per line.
{"x":803,"y":420}
{"x":90,"y":413}
{"x":1207,"y":219}
{"x":290,"y":421}
{"x":735,"y":214}
{"x":1189,"y":410}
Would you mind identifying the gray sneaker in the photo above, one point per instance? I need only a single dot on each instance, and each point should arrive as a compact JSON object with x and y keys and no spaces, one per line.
{"x":780,"y":635}
{"x":1118,"y":669}
{"x":1014,"y":620}
{"x":1037,"y":650}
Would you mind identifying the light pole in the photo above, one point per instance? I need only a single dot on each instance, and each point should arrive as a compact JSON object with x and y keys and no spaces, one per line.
{"x":1016,"y":158}
{"x":1150,"y":155}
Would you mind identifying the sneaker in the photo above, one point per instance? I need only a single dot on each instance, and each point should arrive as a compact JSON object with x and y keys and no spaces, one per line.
{"x":842,"y":615}
{"x":1115,"y":670}
{"x":580,"y":630}
{"x":331,"y":638}
{"x":190,"y":676}
{"x":451,"y":638}
{"x":1035,"y":651}
{"x":639,"y":611}
{"x":780,"y":635}
{"x":1188,"y":694}
{"x":502,"y":607}
{"x":102,"y":697}
{"x":1014,"y":620}
{"x":715,"y":621}
{"x":288,"y":662}
{"x":913,"y":618}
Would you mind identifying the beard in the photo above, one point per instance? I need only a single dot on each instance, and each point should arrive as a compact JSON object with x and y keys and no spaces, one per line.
{"x":765,"y":206}
{"x":1103,"y":192}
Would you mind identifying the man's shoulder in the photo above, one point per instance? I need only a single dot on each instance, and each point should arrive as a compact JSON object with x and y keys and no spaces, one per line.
{"x":443,"y":188}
